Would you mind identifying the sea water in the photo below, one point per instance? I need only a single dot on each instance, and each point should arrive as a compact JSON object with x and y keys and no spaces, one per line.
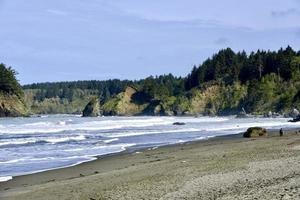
{"x":29,"y":145}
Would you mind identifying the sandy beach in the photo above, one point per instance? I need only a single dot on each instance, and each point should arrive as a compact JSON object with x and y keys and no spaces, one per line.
{"x":220,"y":168}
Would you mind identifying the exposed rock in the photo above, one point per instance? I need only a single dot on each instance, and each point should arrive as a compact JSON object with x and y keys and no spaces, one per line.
{"x":127,"y":103}
{"x":255,"y":132}
{"x":92,"y":109}
{"x":12,"y":106}
{"x":159,"y":110}
{"x":179,"y":123}
{"x":294,"y":113}
{"x":296,"y":119}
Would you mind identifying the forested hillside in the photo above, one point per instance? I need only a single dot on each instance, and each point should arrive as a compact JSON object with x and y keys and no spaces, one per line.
{"x":226,"y":83}
{"x":69,"y":97}
{"x":11,"y":94}
{"x":261,"y":82}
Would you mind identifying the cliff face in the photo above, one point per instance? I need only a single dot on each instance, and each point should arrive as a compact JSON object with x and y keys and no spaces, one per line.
{"x":12,"y":106}
{"x":131,"y":102}
{"x":124,"y":104}
{"x":211,"y":100}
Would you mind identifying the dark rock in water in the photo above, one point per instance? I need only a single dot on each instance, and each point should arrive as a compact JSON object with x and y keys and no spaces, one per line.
{"x":92,"y":109}
{"x":296,"y":119}
{"x":179,"y":123}
{"x":294,"y":113}
{"x":255,"y":132}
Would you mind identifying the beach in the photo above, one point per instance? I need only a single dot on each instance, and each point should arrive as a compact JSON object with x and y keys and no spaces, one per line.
{"x":228,"y":167}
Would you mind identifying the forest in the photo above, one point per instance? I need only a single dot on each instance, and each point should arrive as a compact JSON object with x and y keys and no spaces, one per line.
{"x":226,"y":83}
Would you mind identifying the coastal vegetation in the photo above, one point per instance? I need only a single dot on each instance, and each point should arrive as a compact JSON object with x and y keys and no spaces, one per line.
{"x":262,"y":82}
{"x":11,"y":94}
{"x":227,"y":83}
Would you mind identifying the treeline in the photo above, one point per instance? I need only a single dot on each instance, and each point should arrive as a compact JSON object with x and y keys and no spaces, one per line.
{"x":71,"y":97}
{"x":228,"y":67}
{"x":69,"y":90}
{"x":269,"y":80}
{"x":8,"y":82}
{"x":223,"y":84}
{"x":155,"y":87}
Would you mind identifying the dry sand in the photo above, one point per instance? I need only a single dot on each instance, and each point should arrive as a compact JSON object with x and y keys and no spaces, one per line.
{"x":222,"y":168}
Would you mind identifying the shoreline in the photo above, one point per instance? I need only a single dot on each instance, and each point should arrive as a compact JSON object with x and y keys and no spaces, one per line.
{"x":92,"y":156}
{"x":127,"y":162}
{"x":130,"y":150}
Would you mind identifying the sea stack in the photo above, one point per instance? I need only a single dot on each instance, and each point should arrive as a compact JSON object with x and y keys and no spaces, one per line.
{"x":92,"y":109}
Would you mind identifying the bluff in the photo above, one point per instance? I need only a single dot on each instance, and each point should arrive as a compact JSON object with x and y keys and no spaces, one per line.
{"x":11,"y":94}
{"x":12,"y":106}
{"x":124,"y":104}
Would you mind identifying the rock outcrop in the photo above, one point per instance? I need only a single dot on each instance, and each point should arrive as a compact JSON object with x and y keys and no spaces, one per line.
{"x":127,"y":103}
{"x":255,"y":132}
{"x":296,"y":119}
{"x":12,"y":106}
{"x":178,"y":123}
{"x":92,"y":109}
{"x":294,"y":113}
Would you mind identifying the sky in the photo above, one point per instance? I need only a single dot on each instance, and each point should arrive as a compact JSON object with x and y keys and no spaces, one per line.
{"x":64,"y":40}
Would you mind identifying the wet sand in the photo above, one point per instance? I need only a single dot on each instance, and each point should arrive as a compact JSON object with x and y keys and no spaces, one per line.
{"x":220,"y":168}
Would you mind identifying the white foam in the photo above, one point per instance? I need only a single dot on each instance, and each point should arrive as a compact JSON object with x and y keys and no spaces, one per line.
{"x":100,"y":124}
{"x":60,"y":126}
{"x":135,"y":133}
{"x":5,"y":178}
{"x":52,"y":140}
{"x":107,"y":147}
{"x":17,"y":142}
{"x":111,"y":140}
{"x":65,"y":139}
{"x":87,"y":130}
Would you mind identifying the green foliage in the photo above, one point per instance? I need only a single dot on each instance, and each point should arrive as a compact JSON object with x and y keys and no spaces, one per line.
{"x":11,"y":94}
{"x":8,"y":82}
{"x":260,"y":82}
{"x":226,"y":83}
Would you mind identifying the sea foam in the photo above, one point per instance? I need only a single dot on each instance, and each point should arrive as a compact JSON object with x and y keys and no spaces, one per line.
{"x":5,"y":178}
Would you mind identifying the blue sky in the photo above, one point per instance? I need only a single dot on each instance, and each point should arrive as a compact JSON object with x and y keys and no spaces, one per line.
{"x":54,"y":40}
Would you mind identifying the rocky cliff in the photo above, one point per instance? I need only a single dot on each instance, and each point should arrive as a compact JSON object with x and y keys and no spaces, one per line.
{"x":126,"y":103}
{"x":12,"y":106}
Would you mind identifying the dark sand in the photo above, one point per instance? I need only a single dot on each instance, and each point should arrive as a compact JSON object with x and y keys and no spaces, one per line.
{"x":220,"y":168}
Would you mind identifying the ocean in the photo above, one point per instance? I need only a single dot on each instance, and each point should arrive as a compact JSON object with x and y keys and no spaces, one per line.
{"x":30,"y":145}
